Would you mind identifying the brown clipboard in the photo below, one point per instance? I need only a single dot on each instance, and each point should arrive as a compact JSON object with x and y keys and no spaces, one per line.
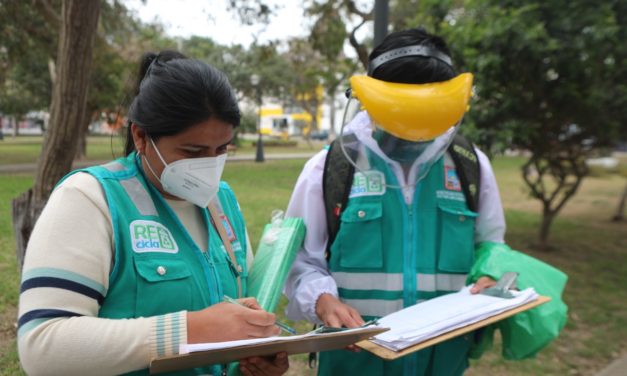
{"x":318,"y":342}
{"x":387,"y":354}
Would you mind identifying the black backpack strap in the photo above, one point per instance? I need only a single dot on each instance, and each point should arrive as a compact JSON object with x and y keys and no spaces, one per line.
{"x":337,"y":179}
{"x":468,"y":169}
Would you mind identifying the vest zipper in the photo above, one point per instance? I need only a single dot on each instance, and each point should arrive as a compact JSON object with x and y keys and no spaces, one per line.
{"x":410,"y":363}
{"x":216,"y":282}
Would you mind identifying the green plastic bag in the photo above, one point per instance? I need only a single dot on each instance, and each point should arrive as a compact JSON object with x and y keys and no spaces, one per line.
{"x":528,"y":332}
{"x":280,"y":241}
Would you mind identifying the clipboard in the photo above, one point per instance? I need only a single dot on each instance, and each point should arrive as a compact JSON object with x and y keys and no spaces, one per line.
{"x":314,"y":343}
{"x":387,"y":354}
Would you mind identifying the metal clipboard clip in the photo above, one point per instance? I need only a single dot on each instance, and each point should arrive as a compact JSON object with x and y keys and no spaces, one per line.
{"x":329,"y":329}
{"x":503,"y":286}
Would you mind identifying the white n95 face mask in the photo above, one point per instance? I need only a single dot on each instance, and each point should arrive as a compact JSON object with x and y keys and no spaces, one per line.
{"x":196,"y":180}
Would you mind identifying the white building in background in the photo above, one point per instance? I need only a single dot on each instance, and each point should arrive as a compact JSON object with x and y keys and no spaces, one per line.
{"x":32,"y":124}
{"x":284,"y":122}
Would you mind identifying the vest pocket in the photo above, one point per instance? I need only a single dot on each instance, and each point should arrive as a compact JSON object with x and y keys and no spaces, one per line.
{"x":163,"y":277}
{"x":359,"y":240}
{"x":457,"y":238}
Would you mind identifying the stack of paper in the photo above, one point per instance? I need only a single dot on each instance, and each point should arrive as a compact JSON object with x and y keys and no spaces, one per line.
{"x":434,"y":317}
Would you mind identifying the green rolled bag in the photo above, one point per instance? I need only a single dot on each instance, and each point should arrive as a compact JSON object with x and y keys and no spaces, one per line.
{"x":525,"y":333}
{"x":279,"y":243}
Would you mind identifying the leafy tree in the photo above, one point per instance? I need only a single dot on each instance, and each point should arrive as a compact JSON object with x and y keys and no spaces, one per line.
{"x":76,"y":41}
{"x":26,"y":48}
{"x":550,"y":79}
{"x":337,"y":21}
{"x":306,"y":67}
{"x":551,"y":76}
{"x":327,"y":37}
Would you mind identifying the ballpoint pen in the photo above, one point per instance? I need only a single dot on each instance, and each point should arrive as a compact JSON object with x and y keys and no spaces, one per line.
{"x":281,"y":325}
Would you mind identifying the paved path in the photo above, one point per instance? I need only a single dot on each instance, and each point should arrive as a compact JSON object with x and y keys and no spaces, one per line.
{"x":616,"y":368}
{"x":29,"y":167}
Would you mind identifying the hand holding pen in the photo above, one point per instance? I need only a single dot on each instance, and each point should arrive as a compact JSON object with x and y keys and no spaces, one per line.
{"x":228,"y":322}
{"x":286,"y":328}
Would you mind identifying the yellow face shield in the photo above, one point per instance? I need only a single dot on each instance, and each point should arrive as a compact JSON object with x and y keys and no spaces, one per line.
{"x":414,"y":112}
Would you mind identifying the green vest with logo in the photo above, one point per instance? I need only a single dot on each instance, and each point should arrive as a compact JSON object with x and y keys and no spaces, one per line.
{"x":158,"y":268}
{"x":389,"y":255}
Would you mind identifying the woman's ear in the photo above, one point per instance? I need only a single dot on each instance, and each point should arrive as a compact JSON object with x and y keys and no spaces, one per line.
{"x":139,"y":138}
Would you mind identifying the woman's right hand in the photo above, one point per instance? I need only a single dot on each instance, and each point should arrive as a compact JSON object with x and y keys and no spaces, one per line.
{"x":227,"y":322}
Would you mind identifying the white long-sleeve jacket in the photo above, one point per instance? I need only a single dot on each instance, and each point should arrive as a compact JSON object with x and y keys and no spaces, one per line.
{"x":310,"y":277}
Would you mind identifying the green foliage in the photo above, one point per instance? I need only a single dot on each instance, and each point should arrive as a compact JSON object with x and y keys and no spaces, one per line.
{"x":328,"y":33}
{"x":552,"y":74}
{"x":248,"y":122}
{"x":27,"y":43}
{"x":550,"y":78}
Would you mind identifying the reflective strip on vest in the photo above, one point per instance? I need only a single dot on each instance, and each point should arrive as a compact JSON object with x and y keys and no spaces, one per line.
{"x":375,"y":307}
{"x":140,"y":197}
{"x":114,"y":166}
{"x":394,"y":281}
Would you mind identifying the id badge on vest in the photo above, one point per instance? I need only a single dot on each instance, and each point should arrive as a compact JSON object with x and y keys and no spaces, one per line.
{"x":368,"y":183}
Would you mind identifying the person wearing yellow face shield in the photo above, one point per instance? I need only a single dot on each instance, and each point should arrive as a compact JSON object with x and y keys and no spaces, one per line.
{"x":401,"y":209}
{"x":407,"y":230}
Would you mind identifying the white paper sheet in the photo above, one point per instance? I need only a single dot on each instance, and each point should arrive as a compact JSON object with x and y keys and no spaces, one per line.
{"x":434,"y":317}
{"x":187,"y":348}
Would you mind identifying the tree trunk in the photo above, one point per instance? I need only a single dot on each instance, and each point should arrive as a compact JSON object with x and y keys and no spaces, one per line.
{"x":25,"y":213}
{"x":15,"y":125}
{"x":620,"y":211}
{"x":81,"y":139}
{"x":332,"y":133}
{"x":545,"y":230}
{"x":67,"y":113}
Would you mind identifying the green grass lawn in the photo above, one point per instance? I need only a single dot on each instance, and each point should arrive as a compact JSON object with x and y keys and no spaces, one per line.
{"x":587,"y":246}
{"x":26,"y":149}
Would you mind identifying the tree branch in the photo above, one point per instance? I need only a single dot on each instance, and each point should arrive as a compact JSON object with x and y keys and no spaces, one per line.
{"x":362,"y":51}
{"x":49,"y":12}
{"x":352,"y":8}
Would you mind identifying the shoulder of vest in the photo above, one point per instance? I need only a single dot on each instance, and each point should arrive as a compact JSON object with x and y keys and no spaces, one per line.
{"x":226,"y":193}
{"x":119,"y":169}
{"x":225,"y":185}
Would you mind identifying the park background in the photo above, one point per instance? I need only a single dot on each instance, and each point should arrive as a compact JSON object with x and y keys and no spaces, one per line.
{"x":550,"y":94}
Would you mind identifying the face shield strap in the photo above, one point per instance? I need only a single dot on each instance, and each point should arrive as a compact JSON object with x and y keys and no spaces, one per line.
{"x":417,"y":50}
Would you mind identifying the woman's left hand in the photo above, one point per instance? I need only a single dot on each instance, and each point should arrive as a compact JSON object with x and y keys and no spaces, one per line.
{"x":265,"y":365}
{"x":482,"y":283}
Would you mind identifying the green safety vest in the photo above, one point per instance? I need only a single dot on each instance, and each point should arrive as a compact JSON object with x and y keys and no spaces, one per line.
{"x":158,"y":268}
{"x":389,"y":255}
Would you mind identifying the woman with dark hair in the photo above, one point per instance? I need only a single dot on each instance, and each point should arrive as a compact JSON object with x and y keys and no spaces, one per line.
{"x":407,"y":229}
{"x":133,"y":258}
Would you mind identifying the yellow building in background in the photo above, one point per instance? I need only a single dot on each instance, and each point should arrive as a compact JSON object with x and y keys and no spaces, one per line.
{"x":277,"y":121}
